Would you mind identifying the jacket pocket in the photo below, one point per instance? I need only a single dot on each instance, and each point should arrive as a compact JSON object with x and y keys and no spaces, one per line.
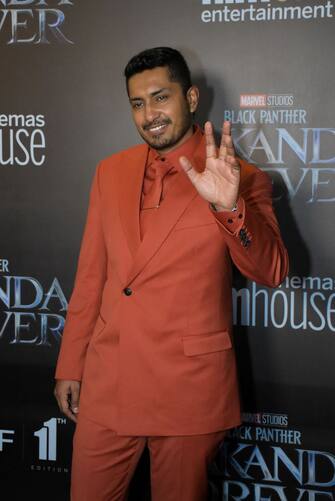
{"x":206,"y":343}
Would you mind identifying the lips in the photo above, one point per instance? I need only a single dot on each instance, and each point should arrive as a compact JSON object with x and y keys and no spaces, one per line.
{"x":157,"y":128}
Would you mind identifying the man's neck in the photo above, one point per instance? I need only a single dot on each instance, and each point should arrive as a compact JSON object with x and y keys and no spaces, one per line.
{"x":182,"y":141}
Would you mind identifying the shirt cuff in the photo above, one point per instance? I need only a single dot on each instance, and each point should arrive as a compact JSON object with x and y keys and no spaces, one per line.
{"x":232,"y":221}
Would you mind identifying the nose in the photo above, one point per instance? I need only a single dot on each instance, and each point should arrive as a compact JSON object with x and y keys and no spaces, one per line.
{"x":150,"y":113}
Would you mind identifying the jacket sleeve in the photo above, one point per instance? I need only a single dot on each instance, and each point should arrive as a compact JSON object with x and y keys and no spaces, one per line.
{"x":85,"y":301}
{"x":252,"y":231}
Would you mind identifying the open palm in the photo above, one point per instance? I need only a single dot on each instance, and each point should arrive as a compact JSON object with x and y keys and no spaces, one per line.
{"x":219,"y":181}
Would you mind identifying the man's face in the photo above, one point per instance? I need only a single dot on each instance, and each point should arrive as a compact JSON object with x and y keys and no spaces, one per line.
{"x":161,"y":112}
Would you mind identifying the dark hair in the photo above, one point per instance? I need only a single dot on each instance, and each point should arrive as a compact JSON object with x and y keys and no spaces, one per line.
{"x":161,"y":56}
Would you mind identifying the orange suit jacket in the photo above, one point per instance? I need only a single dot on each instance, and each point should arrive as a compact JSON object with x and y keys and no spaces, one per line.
{"x":149,"y":323}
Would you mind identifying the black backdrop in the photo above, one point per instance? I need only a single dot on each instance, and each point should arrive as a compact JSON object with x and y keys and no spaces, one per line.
{"x":267,"y":66}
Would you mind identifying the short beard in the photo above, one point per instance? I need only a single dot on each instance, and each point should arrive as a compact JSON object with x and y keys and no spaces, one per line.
{"x":162,"y":144}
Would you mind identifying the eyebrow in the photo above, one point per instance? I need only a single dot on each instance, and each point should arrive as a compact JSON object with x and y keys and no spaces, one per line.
{"x":152,"y":94}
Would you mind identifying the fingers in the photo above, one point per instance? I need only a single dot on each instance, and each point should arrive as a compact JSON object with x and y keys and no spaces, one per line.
{"x":226,"y":145}
{"x":64,"y":407}
{"x":233,"y":162}
{"x":189,"y":169}
{"x":74,"y":400}
{"x":67,"y":396}
{"x":210,"y":141}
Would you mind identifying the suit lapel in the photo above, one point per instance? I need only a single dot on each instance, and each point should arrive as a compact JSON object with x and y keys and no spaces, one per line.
{"x":130,"y":189}
{"x":179,"y":196}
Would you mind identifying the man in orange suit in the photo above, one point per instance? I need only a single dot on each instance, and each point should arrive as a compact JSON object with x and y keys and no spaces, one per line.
{"x":147,"y":355}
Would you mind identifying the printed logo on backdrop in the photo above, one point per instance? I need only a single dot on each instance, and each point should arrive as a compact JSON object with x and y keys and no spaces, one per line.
{"x":266,"y":458}
{"x":225,"y":11}
{"x":298,"y":304}
{"x":272,"y":131}
{"x":34,"y":21}
{"x":10,"y":444}
{"x":47,"y":447}
{"x":42,"y":446}
{"x":31,"y":313}
{"x":6,"y":437}
{"x":22,"y":140}
{"x":47,"y":440}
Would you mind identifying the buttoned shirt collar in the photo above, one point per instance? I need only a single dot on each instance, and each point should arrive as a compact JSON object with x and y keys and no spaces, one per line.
{"x":186,"y":149}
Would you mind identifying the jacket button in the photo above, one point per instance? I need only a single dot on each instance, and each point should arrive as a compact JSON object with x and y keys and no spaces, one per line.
{"x":127,"y":291}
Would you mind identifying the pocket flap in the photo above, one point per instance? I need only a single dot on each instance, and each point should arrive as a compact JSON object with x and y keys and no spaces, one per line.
{"x":206,"y":343}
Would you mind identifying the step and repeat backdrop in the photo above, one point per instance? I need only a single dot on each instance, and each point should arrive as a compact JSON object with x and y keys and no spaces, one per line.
{"x":268,"y":67}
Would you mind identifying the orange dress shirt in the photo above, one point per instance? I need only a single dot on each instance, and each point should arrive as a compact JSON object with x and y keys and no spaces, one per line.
{"x":170,"y":163}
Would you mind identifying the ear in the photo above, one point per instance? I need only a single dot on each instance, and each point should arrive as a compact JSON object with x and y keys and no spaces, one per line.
{"x":192,"y":97}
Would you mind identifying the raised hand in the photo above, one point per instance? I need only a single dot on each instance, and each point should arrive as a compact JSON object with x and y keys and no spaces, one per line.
{"x":219,"y":182}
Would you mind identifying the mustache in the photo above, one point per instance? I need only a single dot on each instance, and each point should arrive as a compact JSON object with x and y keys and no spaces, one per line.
{"x":156,"y":123}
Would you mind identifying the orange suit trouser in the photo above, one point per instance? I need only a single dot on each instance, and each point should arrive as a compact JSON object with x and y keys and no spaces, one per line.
{"x":103,"y":464}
